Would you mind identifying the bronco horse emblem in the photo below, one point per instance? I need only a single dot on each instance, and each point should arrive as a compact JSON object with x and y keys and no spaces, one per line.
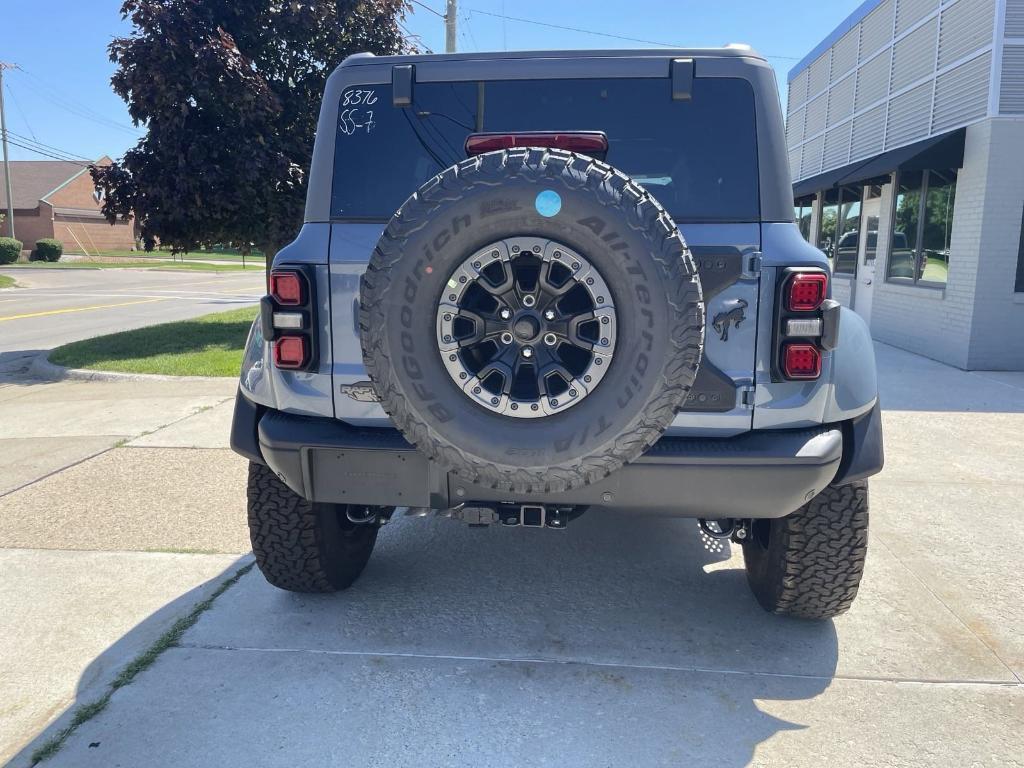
{"x":733,"y":315}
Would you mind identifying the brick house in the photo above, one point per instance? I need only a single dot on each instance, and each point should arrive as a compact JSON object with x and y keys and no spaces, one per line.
{"x":53,"y":198}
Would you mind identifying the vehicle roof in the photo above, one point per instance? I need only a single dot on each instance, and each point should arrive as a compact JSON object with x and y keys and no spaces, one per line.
{"x":738,"y":50}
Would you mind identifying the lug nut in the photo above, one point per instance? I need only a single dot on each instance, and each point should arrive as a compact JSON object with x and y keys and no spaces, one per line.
{"x":549,"y":314}
{"x":527,"y":352}
{"x":550,"y":339}
{"x":506,"y":338}
{"x":529,"y":300}
{"x":505,"y":313}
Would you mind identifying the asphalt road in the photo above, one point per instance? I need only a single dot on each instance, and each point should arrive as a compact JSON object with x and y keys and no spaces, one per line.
{"x":54,"y":307}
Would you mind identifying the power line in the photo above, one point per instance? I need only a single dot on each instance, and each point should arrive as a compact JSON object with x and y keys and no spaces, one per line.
{"x":595,"y":32}
{"x":427,"y":7}
{"x":570,"y":29}
{"x":46,"y":154}
{"x":17,"y":106}
{"x":414,"y":36}
{"x":48,"y":147}
{"x":56,"y":96}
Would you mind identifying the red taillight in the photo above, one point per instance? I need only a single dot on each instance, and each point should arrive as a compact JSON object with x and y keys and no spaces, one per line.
{"x":290,"y":352}
{"x":287,"y":288}
{"x":801,"y":361}
{"x":587,"y":142}
{"x":806,"y":291}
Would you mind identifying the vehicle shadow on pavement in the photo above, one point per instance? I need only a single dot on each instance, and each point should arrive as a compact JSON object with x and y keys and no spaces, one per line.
{"x":95,"y":680}
{"x":626,"y":636}
{"x":624,"y":640}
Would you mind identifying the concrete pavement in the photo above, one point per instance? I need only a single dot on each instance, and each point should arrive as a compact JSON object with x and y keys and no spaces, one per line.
{"x":613,"y":643}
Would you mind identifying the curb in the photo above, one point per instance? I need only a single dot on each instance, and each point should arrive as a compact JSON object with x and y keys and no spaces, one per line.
{"x":42,"y":368}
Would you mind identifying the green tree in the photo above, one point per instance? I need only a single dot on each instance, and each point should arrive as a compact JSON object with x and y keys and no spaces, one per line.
{"x":229,"y":94}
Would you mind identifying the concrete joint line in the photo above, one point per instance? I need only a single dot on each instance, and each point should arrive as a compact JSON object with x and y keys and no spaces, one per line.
{"x":606,"y":665}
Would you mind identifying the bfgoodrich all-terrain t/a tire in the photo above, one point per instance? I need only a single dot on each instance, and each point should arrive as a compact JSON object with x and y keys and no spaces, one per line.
{"x":608,"y":233}
{"x":809,"y":564}
{"x":302,"y":546}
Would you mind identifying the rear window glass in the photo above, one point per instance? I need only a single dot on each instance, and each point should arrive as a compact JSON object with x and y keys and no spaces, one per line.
{"x":698,"y":157}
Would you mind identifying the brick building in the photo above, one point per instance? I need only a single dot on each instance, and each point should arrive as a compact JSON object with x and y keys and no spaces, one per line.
{"x":905,"y":130}
{"x":53,"y":198}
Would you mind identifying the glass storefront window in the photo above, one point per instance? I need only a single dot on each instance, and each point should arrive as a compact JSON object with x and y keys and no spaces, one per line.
{"x":839,"y":230}
{"x":802,"y":215}
{"x":922,"y":227}
{"x":849,"y":222}
{"x":870,"y":224}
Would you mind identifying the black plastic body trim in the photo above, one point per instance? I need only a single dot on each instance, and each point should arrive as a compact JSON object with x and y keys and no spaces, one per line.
{"x":244,"y":439}
{"x":863,"y":454}
{"x":760,"y":474}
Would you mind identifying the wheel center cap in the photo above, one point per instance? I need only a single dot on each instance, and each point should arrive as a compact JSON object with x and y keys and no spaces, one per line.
{"x":526,"y":328}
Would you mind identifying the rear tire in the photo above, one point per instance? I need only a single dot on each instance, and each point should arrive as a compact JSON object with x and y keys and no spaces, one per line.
{"x":809,"y":564}
{"x":303,"y":546}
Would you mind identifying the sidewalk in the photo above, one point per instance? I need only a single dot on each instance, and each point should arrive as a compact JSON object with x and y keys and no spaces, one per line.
{"x":93,"y":530}
{"x":613,"y":643}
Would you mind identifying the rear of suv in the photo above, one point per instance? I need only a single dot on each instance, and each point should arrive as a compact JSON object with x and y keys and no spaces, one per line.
{"x":529,"y":284}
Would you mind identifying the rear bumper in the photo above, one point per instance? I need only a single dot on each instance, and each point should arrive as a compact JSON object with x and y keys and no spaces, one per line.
{"x":760,"y":474}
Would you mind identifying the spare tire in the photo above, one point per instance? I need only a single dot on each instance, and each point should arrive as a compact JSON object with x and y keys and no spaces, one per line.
{"x":531,"y":320}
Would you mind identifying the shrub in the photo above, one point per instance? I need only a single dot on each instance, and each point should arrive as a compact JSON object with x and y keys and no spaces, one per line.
{"x":47,"y":249}
{"x":10,"y":250}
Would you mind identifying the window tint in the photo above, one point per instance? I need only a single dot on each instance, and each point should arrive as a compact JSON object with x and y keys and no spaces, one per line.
{"x":922,"y":226}
{"x":698,"y":157}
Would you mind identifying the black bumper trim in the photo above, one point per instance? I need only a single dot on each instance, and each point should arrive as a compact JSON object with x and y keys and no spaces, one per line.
{"x":757,"y":474}
{"x":244,"y":422}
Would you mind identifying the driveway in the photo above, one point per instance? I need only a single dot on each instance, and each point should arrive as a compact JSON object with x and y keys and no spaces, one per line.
{"x":617,"y":642}
{"x":56,"y":306}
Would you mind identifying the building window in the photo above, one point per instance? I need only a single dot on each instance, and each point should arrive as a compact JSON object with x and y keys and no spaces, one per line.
{"x":802,"y":214}
{"x":839,"y":231}
{"x":922,"y":227}
{"x":1018,"y":285}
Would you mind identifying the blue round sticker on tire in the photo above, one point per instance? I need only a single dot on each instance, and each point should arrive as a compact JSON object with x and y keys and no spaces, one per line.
{"x":548,"y":203}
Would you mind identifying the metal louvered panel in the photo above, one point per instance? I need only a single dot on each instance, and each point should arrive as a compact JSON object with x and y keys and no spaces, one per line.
{"x":794,"y":163}
{"x":815,"y":121}
{"x":810,"y":160}
{"x":966,"y":27}
{"x":1011,"y":89}
{"x":961,"y":94}
{"x":909,"y":12}
{"x":837,"y":147}
{"x":1015,"y":18}
{"x":909,"y":116}
{"x":873,"y":80}
{"x":867,"y":133}
{"x":817,"y":74}
{"x":844,"y":53}
{"x":797,"y":91}
{"x":795,"y":128}
{"x":913,"y":57}
{"x":840,"y":100}
{"x":876,"y":29}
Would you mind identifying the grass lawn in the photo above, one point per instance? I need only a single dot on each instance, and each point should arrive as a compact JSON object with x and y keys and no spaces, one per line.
{"x":6,"y":281}
{"x":210,"y":345}
{"x":256,"y":257}
{"x":191,"y":266}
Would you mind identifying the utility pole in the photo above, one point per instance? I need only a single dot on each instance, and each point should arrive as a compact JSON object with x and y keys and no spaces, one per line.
{"x":450,"y":17}
{"x":7,"y":162}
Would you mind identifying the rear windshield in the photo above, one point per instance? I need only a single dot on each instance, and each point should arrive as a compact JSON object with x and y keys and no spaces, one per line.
{"x":697,"y":157}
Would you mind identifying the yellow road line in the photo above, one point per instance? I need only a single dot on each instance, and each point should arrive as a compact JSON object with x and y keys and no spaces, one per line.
{"x":78,"y":309}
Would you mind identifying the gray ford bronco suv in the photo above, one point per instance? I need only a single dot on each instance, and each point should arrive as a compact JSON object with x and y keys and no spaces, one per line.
{"x":529,"y":284}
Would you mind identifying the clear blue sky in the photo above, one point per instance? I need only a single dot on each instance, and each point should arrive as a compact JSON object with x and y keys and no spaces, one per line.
{"x":63,"y":97}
